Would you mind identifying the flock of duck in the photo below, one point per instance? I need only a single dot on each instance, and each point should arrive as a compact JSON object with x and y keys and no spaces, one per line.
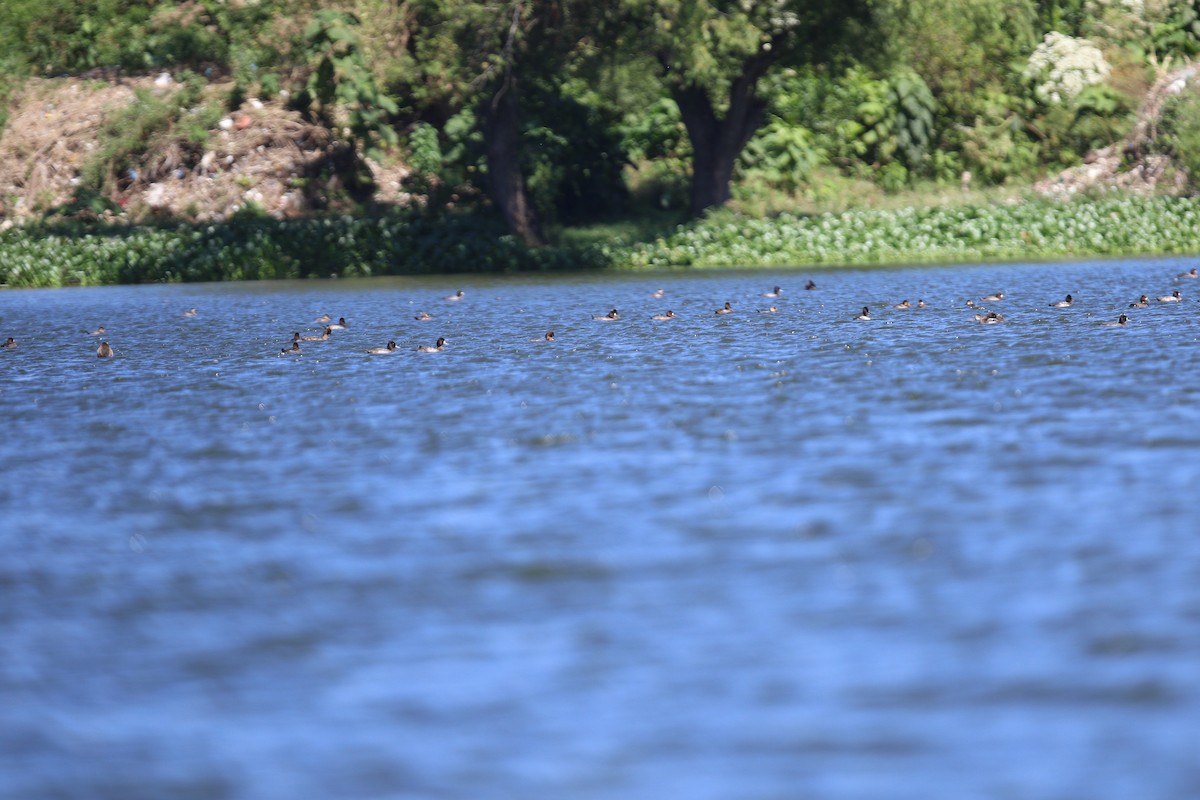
{"x":983,"y":316}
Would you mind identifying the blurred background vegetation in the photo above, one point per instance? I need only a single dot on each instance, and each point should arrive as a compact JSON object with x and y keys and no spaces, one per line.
{"x":550,"y":115}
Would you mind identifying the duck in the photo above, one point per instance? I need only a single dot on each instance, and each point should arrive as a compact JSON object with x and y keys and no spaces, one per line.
{"x":98,"y":332}
{"x":669,"y":315}
{"x":382,"y":351}
{"x":771,"y":310}
{"x":320,"y":338}
{"x":609,"y":317}
{"x":810,"y":286}
{"x":725,"y":309}
{"x":1142,"y":302}
{"x":340,"y":325}
{"x":11,"y":343}
{"x":993,"y":298}
{"x":104,"y":351}
{"x":1067,"y":303}
{"x":323,"y":318}
{"x":549,"y":337}
{"x":1121,"y":320}
{"x":658,"y":294}
{"x":865,"y":315}
{"x":294,"y":350}
{"x":921,"y":304}
{"x":902,"y":304}
{"x":440,"y":346}
{"x":1191,"y":273}
{"x":991,"y":318}
{"x":971,"y":304}
{"x":422,"y":317}
{"x":776,"y":292}
{"x":456,"y":296}
{"x":191,"y":312}
{"x":1173,"y":297}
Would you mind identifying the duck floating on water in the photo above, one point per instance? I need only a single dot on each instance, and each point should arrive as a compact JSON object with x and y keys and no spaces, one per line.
{"x":439,"y":347}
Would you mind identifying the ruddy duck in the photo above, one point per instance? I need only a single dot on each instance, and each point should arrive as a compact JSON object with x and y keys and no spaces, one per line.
{"x":104,"y":351}
{"x":920,"y":304}
{"x":441,"y":345}
{"x":10,"y":343}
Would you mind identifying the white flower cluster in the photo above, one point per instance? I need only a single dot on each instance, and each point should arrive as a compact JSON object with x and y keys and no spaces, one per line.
{"x":1066,"y":66}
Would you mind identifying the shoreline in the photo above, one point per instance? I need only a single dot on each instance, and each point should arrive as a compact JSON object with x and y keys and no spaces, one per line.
{"x":261,"y":248}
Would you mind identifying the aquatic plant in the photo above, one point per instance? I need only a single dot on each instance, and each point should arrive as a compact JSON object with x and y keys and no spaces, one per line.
{"x":252,"y":248}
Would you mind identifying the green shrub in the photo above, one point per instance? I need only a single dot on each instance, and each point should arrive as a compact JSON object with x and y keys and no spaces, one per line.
{"x":1179,"y":132}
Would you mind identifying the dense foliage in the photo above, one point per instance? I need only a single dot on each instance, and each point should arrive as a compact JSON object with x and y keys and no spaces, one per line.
{"x":257,"y":248}
{"x":584,"y":110}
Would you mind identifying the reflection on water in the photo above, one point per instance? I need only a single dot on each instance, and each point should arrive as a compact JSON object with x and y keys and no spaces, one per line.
{"x":742,"y":555}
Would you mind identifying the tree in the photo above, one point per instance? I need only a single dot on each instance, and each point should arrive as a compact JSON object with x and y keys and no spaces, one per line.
{"x":484,"y":53}
{"x":713,"y":53}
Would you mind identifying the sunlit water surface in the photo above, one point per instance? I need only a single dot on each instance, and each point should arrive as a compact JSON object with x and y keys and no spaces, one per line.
{"x":742,"y":556}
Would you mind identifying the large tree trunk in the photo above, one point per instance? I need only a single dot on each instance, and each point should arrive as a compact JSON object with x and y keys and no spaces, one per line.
{"x":502,"y":134}
{"x":717,"y":142}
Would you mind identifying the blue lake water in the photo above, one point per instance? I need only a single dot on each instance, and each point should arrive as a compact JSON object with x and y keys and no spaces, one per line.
{"x":725,"y":556}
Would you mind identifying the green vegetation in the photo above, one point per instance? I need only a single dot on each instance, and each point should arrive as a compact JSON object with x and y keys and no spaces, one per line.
{"x":531,"y":127}
{"x":256,"y":248}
